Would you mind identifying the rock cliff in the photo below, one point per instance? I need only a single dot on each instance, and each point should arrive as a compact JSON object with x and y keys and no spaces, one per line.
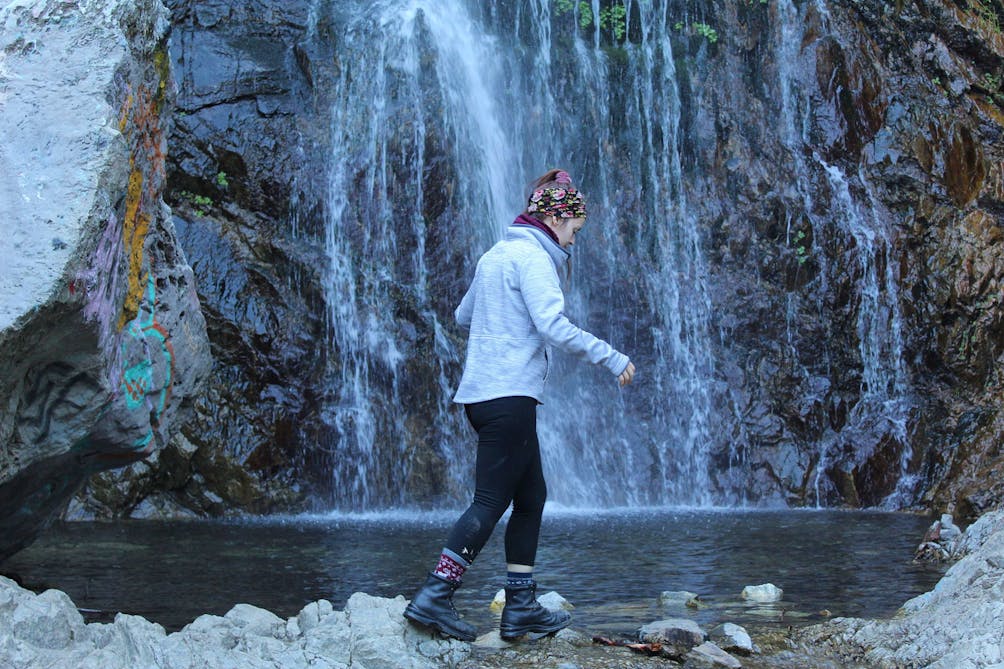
{"x":102,"y":341}
{"x":927,"y":630}
{"x":798,"y":119}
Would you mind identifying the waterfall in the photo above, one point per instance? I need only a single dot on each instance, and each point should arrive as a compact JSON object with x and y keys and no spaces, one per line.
{"x":498,"y":93}
{"x":854,"y":212}
{"x":376,"y":233}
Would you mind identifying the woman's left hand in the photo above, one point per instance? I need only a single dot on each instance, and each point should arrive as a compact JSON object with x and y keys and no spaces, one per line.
{"x":625,"y":377}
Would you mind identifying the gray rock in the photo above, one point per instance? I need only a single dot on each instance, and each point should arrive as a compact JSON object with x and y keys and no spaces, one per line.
{"x":102,"y":341}
{"x":679,"y":633}
{"x":709,"y":656}
{"x":926,"y":632}
{"x":48,"y":621}
{"x":255,"y":621}
{"x":47,"y":631}
{"x":732,"y":638}
{"x":680,"y":598}
{"x":492,"y":639}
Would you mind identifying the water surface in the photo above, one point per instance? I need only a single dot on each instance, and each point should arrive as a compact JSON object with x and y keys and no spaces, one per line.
{"x":611,"y":566}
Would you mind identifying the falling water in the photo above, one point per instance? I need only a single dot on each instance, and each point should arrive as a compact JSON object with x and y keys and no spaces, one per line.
{"x":496,"y":91}
{"x":853,"y":211}
{"x":375,"y":231}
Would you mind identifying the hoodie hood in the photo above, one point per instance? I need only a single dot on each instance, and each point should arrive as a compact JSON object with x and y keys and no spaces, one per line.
{"x":523,"y":229}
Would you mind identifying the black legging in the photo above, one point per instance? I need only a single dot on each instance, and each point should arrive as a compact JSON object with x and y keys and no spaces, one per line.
{"x":508,"y":470}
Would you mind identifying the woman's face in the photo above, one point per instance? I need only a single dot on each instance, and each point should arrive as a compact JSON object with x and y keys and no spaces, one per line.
{"x":566,"y":228}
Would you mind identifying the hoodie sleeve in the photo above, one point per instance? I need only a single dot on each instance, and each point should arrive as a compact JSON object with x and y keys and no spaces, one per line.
{"x":465,"y":311}
{"x":546,"y":305}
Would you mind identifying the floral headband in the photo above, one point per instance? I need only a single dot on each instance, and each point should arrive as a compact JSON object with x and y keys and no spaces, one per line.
{"x":559,"y":202}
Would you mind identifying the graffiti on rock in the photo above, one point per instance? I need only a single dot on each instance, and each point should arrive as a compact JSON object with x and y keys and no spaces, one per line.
{"x":147,"y":360}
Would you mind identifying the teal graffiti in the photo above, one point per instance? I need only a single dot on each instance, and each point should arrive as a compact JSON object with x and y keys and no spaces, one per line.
{"x":138,"y":379}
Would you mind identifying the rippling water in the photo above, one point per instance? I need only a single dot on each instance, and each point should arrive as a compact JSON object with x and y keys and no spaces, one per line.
{"x":611,"y":565}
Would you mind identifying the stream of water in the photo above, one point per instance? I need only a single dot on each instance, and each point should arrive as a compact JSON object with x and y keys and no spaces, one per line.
{"x":491,"y":92}
{"x":611,"y":565}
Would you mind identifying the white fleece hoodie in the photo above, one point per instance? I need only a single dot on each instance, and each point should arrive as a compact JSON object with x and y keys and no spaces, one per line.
{"x":515,"y":312}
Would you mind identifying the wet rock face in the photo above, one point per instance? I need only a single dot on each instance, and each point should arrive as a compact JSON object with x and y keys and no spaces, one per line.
{"x":894,"y":107}
{"x":247,"y":171}
{"x":242,"y":180}
{"x":102,"y":341}
{"x":895,"y":98}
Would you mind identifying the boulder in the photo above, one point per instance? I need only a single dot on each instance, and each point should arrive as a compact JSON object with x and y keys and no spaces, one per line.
{"x":676,"y":635}
{"x":680,"y":598}
{"x":102,"y":341}
{"x":709,"y":656}
{"x":768,"y":592}
{"x":732,"y":638}
{"x":940,"y":542}
{"x":926,"y":632}
{"x":46,"y":630}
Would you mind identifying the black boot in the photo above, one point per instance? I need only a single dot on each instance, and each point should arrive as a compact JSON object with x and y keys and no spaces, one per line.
{"x":432,"y":605}
{"x":523,"y":614}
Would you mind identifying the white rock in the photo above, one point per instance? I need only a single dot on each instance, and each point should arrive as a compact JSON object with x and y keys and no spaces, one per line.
{"x":768,"y":592}
{"x":330,"y":638}
{"x":554,"y":602}
{"x":256,"y":622}
{"x":141,"y":640}
{"x":680,"y":598}
{"x":312,"y":614}
{"x":732,"y":638}
{"x":550,"y":600}
{"x":949,"y":530}
{"x":48,"y":620}
{"x":955,"y":626}
{"x":380,"y":637}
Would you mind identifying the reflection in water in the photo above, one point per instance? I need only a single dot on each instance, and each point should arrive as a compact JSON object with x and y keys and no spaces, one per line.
{"x":610,"y":565}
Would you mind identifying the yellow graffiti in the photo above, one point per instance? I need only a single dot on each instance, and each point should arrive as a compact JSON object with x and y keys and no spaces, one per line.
{"x":124,"y":116}
{"x":140,"y":121}
{"x":134,"y":229}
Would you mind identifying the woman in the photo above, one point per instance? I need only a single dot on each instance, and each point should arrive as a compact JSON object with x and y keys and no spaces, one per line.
{"x":514,"y":310}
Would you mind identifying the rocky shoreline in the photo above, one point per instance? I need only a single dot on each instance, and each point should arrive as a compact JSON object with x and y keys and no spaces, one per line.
{"x":47,"y":630}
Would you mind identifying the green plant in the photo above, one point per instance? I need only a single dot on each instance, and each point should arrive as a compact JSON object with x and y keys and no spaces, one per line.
{"x":992,"y":83}
{"x":801,"y":253}
{"x":678,"y":26}
{"x":612,"y":17}
{"x":706,"y":31}
{"x":201,"y":203}
{"x":221,"y":180}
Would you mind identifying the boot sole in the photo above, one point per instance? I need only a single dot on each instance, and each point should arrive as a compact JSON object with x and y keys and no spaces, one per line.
{"x":422,"y":619}
{"x":512,"y":633}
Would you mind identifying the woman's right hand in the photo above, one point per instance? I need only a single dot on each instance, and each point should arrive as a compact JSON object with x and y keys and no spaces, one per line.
{"x":625,"y":377}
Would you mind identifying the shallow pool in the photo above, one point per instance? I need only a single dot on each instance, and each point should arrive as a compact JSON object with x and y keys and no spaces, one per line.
{"x":611,"y":565}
